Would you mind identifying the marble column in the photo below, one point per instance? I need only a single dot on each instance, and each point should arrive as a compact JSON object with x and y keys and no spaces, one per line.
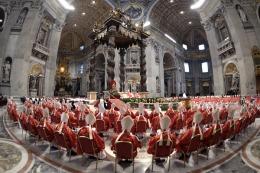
{"x":111,"y":60}
{"x":122,"y":53}
{"x":50,"y":68}
{"x":218,"y":75}
{"x":92,"y":72}
{"x":143,"y":85}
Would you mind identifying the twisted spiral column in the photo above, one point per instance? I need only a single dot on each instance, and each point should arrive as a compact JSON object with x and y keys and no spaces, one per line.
{"x":143,"y":86}
{"x":122,"y":53}
{"x":110,"y":61}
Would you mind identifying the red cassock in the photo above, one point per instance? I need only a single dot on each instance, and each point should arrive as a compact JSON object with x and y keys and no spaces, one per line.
{"x":33,"y":124}
{"x":113,"y":116}
{"x":128,"y":137}
{"x":99,"y":143}
{"x":152,"y":142}
{"x":131,"y":113}
{"x":209,"y":136}
{"x":228,"y":129}
{"x":176,"y":122}
{"x":171,"y":113}
{"x":105,"y":118}
{"x":15,"y":115}
{"x":49,"y":129}
{"x":69,"y":134}
{"x":184,"y":139}
{"x":55,"y":118}
{"x":38,"y":113}
{"x":223,"y":114}
{"x":23,"y":120}
{"x":155,"y":123}
{"x":73,"y":121}
{"x":146,"y":115}
{"x":152,"y":115}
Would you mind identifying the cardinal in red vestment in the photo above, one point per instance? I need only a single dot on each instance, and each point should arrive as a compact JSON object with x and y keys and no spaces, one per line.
{"x":102,"y":114}
{"x":228,"y":128}
{"x":46,"y":123}
{"x":91,"y":133}
{"x":155,"y":112}
{"x":163,"y":135}
{"x":170,"y":111}
{"x":211,"y":135}
{"x":144,"y":112}
{"x":155,"y":122}
{"x":62,"y":127}
{"x":184,"y":139}
{"x":126,"y":135}
{"x":112,"y":115}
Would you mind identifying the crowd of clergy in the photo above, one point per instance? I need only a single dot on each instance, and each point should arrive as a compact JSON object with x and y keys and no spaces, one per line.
{"x":210,"y":120}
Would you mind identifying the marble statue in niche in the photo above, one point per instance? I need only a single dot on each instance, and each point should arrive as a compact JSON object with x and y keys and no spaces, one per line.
{"x":22,"y":17}
{"x":235,"y":81}
{"x":158,"y":88}
{"x":33,"y":82}
{"x":43,"y":33}
{"x":241,"y":14}
{"x":6,"y":70}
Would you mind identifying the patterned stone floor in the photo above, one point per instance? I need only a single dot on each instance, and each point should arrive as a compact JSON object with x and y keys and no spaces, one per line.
{"x":43,"y":161}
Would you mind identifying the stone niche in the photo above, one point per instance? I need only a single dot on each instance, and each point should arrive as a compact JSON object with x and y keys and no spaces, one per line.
{"x":256,"y":58}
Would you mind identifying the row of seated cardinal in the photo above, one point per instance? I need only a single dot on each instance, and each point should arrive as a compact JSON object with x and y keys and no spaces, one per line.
{"x":208,"y":124}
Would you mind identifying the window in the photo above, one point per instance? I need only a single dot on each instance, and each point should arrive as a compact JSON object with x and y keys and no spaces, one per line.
{"x":202,"y":47}
{"x":205,"y":67}
{"x":81,"y":69}
{"x":82,"y":47}
{"x":2,"y":17}
{"x":186,"y":67}
{"x":185,"y":46}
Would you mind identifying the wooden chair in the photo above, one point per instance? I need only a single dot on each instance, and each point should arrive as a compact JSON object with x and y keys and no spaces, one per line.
{"x":61,"y":141}
{"x":87,"y":147}
{"x":124,"y":150}
{"x":193,"y":145}
{"x":163,"y":151}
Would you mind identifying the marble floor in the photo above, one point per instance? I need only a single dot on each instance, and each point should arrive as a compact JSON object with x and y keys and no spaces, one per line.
{"x":20,"y":155}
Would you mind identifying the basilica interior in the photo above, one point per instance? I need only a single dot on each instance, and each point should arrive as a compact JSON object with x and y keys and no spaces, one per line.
{"x":130,"y":86}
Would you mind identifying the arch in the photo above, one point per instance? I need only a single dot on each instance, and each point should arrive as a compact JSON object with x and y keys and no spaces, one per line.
{"x":169,"y":65}
{"x":2,"y":17}
{"x":100,"y":64}
{"x":231,"y":78}
{"x":37,"y":70}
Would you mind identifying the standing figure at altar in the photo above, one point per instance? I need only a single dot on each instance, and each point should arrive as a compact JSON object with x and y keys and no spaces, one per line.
{"x":63,"y":127}
{"x":163,"y":135}
{"x":91,"y":133}
{"x":113,"y":91}
{"x":126,"y":135}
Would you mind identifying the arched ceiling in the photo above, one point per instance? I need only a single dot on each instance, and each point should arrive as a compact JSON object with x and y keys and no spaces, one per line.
{"x":175,"y":18}
{"x":80,"y":22}
{"x":164,"y":15}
